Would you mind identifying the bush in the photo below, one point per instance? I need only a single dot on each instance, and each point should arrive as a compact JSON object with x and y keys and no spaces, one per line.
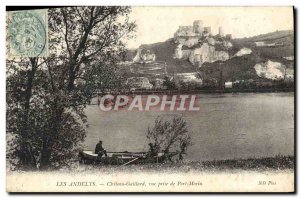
{"x":169,"y":134}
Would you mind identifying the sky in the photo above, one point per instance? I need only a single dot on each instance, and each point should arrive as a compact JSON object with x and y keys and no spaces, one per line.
{"x":157,"y":24}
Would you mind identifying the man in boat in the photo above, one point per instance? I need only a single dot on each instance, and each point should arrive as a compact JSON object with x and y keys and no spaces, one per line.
{"x":153,"y":151}
{"x":100,"y":150}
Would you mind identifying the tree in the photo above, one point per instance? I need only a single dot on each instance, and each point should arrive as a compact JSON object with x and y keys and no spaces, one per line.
{"x":47,"y":96}
{"x":169,"y":134}
{"x":22,"y":111}
{"x":168,"y":83}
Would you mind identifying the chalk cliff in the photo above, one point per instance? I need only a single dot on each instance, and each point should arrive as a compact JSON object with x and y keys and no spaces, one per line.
{"x":207,"y":54}
{"x":241,"y":58}
{"x":195,"y":44}
{"x":203,"y":53}
{"x":144,"y":56}
{"x":273,"y":70}
{"x":244,"y":51}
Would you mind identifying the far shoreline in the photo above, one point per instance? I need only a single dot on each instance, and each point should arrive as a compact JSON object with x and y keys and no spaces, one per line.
{"x":199,"y":91}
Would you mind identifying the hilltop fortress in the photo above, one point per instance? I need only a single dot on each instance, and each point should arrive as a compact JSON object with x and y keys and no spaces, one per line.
{"x":266,"y":56}
{"x":197,"y":44}
{"x":193,"y":43}
{"x":190,"y":35}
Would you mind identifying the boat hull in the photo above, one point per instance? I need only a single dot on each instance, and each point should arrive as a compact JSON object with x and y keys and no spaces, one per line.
{"x":119,"y":158}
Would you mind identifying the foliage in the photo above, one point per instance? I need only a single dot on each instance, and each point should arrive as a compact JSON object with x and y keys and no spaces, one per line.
{"x":46,"y":97}
{"x":276,"y":163}
{"x":189,"y":85}
{"x":168,"y":83}
{"x":169,"y":134}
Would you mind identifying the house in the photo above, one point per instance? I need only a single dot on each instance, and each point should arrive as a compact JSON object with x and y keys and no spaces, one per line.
{"x":159,"y":83}
{"x":139,"y":83}
{"x":228,"y":85}
{"x":188,"y":77}
{"x":260,"y":43}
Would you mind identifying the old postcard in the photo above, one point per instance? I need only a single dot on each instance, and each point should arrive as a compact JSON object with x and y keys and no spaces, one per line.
{"x":150,"y":99}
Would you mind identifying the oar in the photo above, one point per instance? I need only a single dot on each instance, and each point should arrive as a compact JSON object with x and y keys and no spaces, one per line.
{"x":129,"y":162}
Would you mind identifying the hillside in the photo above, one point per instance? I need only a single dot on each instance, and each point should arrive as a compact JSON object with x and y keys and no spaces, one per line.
{"x":164,"y":52}
{"x":238,"y":68}
{"x":275,"y":46}
{"x":288,"y":34}
{"x":283,"y":39}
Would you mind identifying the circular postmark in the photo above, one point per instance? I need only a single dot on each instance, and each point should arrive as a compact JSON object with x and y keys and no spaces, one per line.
{"x":27,"y":34}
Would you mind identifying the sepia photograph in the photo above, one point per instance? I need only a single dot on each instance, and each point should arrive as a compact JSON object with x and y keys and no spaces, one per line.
{"x":150,"y":99}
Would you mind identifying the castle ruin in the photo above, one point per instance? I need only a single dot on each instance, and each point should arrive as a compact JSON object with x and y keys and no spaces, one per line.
{"x":197,"y":30}
{"x":197,"y":44}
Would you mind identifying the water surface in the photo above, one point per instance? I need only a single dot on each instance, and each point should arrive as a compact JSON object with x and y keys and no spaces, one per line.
{"x":238,"y":125}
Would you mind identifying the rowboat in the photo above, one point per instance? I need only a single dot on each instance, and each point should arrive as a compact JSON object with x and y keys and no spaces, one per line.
{"x":89,"y":157}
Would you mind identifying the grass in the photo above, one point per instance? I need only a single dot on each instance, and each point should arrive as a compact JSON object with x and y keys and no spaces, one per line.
{"x":277,"y":162}
{"x":255,"y":164}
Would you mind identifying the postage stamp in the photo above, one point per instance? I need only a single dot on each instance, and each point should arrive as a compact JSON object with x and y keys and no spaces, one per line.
{"x":28,"y":33}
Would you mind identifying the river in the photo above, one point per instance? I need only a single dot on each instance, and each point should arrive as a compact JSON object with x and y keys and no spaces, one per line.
{"x":227,"y":126}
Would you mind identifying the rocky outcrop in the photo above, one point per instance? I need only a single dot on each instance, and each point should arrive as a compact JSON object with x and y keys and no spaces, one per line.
{"x":144,"y":56}
{"x":208,"y":54}
{"x":185,"y":31}
{"x":227,"y":44}
{"x":211,"y":41}
{"x":200,"y":46}
{"x":203,"y":54}
{"x":243,"y":51}
{"x":178,"y":52}
{"x":291,"y":58}
{"x":189,"y":42}
{"x":181,"y":53}
{"x":273,"y":70}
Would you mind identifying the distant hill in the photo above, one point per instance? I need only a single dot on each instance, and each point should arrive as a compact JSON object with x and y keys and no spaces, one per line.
{"x":285,"y":38}
{"x":272,"y":36}
{"x":243,"y":67}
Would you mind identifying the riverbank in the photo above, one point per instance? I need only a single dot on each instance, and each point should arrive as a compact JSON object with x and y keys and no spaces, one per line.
{"x":207,"y":181}
{"x":199,"y":91}
{"x":270,"y":174}
{"x":251,"y":164}
{"x":238,"y":175}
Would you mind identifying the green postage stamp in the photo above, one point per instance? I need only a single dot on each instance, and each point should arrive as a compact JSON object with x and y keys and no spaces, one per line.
{"x":28,"y":33}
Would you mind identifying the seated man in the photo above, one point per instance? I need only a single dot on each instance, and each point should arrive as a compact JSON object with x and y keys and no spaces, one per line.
{"x":100,"y":150}
{"x":153,"y":150}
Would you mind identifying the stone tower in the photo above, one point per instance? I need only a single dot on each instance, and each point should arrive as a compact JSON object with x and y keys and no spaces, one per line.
{"x":198,"y":27}
{"x":221,"y":32}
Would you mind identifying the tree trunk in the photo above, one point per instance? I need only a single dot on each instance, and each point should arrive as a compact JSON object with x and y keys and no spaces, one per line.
{"x":26,"y":154}
{"x":50,"y":139}
{"x":45,"y":156}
